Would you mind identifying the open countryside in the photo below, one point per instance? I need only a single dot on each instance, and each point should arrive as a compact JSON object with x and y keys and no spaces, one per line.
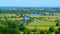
{"x":29,"y":20}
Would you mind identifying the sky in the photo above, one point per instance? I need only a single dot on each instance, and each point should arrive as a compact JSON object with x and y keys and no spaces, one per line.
{"x":30,"y":3}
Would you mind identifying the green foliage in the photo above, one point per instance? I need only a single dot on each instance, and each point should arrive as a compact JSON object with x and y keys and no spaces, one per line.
{"x":14,"y":31}
{"x":34,"y":32}
{"x":59,"y":29}
{"x":58,"y":23}
{"x":47,"y":32}
{"x":42,"y":32}
{"x":22,"y":28}
{"x":24,"y":32}
{"x":9,"y":27}
{"x":51,"y":29}
{"x":28,"y":32}
{"x":57,"y":32}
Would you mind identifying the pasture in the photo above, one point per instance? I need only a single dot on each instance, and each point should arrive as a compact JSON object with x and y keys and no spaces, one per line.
{"x":39,"y":24}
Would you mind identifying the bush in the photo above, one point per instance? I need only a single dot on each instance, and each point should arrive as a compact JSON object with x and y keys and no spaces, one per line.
{"x":28,"y":32}
{"x":51,"y":29}
{"x":9,"y":27}
{"x":47,"y":32}
{"x":22,"y":28}
{"x":57,"y":22}
{"x":24,"y":32}
{"x":2,"y":29}
{"x":34,"y":32}
{"x":14,"y":31}
{"x":57,"y":32}
{"x":59,"y":29}
{"x":42,"y":32}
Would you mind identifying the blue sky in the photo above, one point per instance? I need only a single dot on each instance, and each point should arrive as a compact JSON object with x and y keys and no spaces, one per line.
{"x":30,"y":3}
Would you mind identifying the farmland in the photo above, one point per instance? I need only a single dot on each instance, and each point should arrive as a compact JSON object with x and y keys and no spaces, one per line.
{"x":18,"y":22}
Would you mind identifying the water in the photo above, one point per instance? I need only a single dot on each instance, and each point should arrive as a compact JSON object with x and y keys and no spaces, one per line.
{"x":34,"y":20}
{"x":42,"y":15}
{"x":26,"y":18}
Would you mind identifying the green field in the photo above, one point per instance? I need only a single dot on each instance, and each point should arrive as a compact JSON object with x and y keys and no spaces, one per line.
{"x":39,"y":24}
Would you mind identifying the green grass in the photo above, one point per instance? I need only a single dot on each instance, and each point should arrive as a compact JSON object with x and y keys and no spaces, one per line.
{"x":40,"y":24}
{"x":43,"y":23}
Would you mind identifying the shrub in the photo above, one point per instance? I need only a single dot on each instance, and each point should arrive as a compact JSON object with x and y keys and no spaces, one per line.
{"x":28,"y":32}
{"x":47,"y":32}
{"x":57,"y":22}
{"x":22,"y":28}
{"x":42,"y":32}
{"x":24,"y":32}
{"x":34,"y":32}
{"x":9,"y":27}
{"x":57,"y":32}
{"x":59,"y":29}
{"x":51,"y":29}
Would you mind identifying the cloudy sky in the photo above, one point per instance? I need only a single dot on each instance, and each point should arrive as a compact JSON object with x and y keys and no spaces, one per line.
{"x":30,"y":3}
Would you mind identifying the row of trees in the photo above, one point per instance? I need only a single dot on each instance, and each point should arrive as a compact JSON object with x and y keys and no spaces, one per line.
{"x":31,"y":10}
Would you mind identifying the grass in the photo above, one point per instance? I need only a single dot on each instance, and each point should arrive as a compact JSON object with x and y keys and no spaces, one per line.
{"x":43,"y":23}
{"x":39,"y":24}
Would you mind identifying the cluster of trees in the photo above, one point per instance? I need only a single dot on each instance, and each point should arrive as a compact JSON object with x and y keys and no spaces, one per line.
{"x":29,"y":10}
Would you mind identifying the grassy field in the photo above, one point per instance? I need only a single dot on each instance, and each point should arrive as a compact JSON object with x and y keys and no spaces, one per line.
{"x":39,"y":24}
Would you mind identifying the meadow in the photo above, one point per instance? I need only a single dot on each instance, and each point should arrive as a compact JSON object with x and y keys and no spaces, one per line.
{"x":41,"y":23}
